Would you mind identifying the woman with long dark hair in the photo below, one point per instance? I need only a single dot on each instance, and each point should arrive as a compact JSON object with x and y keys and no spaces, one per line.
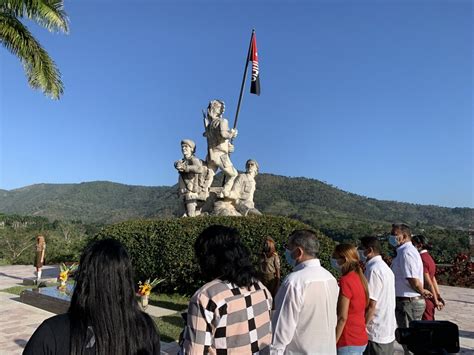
{"x":351,"y":335}
{"x":231,"y":313}
{"x":104,"y":317}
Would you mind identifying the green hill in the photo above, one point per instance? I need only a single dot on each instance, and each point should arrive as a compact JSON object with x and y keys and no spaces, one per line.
{"x":305,"y":199}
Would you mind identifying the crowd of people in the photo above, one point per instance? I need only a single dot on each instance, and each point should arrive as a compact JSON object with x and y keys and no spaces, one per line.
{"x":247,"y":310}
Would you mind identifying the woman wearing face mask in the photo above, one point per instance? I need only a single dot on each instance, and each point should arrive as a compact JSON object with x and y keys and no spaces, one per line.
{"x":351,"y":334}
{"x":429,"y":270}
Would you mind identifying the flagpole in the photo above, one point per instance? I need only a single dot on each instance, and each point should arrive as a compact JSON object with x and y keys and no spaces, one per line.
{"x":243,"y":80}
{"x":242,"y":89}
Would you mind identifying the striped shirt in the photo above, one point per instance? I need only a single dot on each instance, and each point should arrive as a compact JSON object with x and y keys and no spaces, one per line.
{"x":225,"y":319}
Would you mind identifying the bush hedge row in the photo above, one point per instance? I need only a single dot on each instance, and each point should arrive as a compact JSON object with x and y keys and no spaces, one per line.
{"x":163,"y":248}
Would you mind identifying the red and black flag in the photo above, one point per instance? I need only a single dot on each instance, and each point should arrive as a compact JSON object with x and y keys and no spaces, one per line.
{"x":255,"y":83}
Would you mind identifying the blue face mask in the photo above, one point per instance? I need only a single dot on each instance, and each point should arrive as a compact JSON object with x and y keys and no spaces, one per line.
{"x":362,"y":256}
{"x":289,"y":258}
{"x":393,"y":241}
{"x":334,"y":264}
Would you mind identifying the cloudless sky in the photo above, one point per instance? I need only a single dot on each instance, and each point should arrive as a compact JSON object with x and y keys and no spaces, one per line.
{"x":374,"y":97}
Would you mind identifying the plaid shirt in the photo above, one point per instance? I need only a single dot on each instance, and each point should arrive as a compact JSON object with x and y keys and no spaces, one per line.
{"x":225,"y":319}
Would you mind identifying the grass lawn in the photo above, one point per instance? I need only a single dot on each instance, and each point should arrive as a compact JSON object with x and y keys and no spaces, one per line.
{"x":169,"y":326}
{"x":16,"y":290}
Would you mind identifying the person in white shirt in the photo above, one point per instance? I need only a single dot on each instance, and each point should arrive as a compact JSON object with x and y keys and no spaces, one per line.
{"x":408,"y":270}
{"x":380,"y":314}
{"x":305,"y":319}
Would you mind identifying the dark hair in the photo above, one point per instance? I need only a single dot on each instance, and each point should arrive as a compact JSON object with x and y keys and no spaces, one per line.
{"x":422,"y":241}
{"x":402,"y":227}
{"x":305,"y":239}
{"x":221,"y":254}
{"x":104,"y":299}
{"x":371,"y":242}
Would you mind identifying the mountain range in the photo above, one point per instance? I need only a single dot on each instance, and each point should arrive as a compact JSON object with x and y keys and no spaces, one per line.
{"x":302,"y":198}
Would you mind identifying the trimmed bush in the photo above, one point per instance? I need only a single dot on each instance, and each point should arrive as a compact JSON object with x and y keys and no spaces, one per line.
{"x":164,"y":248}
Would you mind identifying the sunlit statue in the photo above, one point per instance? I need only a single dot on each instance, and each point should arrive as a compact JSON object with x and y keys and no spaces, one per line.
{"x":244,"y":188}
{"x":194,"y":179}
{"x":219,"y":146}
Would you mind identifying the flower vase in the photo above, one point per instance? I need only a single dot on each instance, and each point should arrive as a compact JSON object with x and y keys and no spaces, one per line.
{"x":144,"y":301}
{"x":63,"y":284}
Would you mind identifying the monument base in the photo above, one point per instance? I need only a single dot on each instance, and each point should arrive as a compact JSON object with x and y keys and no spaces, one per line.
{"x":50,"y":299}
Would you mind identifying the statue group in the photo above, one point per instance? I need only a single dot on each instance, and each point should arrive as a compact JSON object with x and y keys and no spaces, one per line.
{"x":235,"y":198}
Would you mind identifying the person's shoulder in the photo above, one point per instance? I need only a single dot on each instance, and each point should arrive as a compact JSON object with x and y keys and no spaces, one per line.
{"x":258,"y":286}
{"x":427,"y":256}
{"x":382,"y":268}
{"x":211,"y":289}
{"x":195,"y":160}
{"x":46,"y":336}
{"x":326,"y":274}
{"x":347,"y":277}
{"x":313,"y":273}
{"x":411,"y":252}
{"x":59,"y":321}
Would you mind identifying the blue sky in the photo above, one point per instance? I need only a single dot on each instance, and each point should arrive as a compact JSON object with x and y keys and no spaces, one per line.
{"x":374,"y":97}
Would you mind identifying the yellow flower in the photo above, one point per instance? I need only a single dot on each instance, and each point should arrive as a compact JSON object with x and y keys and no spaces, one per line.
{"x":144,"y":289}
{"x":63,"y":276}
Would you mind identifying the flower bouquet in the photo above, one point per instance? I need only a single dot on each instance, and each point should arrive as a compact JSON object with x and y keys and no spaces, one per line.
{"x":64,"y":273}
{"x":144,"y":290}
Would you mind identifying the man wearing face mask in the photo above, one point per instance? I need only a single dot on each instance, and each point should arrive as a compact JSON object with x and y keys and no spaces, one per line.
{"x":380,"y":314}
{"x":408,"y":270}
{"x":304,"y":321}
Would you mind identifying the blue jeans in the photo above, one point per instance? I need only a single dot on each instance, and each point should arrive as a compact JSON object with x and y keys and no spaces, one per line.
{"x":351,"y":350}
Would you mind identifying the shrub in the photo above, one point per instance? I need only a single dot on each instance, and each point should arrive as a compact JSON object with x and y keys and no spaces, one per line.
{"x":460,"y":273}
{"x":164,"y":248}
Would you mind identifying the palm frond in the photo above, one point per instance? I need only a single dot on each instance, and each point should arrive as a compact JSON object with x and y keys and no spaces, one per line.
{"x":48,"y":13}
{"x":40,"y":69}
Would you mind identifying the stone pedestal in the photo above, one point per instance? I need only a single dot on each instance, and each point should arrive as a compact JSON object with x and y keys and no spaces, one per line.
{"x":50,"y":299}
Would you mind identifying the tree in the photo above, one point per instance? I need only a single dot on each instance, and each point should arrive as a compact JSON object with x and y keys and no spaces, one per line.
{"x":14,"y":242}
{"x":40,"y":69}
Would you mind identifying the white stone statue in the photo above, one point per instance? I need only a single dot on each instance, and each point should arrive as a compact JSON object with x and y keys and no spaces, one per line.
{"x":194,"y":179}
{"x":219,"y":146}
{"x":244,"y":188}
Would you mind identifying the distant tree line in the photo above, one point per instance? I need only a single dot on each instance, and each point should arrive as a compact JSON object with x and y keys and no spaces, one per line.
{"x":64,"y":239}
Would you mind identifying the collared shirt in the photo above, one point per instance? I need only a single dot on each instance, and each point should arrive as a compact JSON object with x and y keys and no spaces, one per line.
{"x":225,"y":319}
{"x":305,"y":318}
{"x":407,"y":264}
{"x":381,"y":284}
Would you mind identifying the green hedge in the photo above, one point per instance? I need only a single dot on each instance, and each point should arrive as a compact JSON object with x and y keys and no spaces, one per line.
{"x":164,"y":248}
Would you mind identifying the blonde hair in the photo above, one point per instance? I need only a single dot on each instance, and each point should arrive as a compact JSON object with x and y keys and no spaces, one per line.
{"x":269,"y":248}
{"x":349,"y":253}
{"x":40,"y":243}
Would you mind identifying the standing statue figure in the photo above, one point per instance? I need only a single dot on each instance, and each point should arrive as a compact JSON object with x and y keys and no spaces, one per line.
{"x":194,"y":179}
{"x":218,"y":144}
{"x":244,"y":188}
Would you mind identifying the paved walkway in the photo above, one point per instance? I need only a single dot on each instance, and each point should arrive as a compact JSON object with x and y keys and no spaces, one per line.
{"x":18,"y":321}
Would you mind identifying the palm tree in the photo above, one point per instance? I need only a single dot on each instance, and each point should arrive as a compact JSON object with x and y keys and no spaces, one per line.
{"x":40,"y":69}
